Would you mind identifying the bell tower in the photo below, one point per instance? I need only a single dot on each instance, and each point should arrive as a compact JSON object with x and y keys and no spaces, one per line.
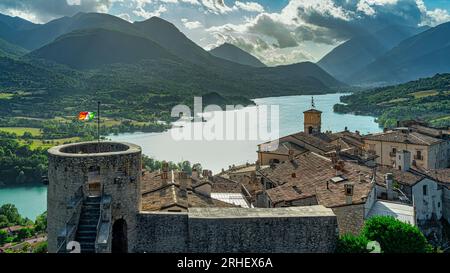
{"x":312,"y":119}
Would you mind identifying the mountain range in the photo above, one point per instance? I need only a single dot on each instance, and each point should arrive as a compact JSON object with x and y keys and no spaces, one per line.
{"x":420,"y":56}
{"x":148,"y":65}
{"x":88,"y":47}
{"x":361,"y":50}
{"x":92,"y":40}
{"x":393,"y":55}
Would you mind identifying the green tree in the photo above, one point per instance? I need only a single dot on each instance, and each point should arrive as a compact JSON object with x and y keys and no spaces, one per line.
{"x":395,"y":236}
{"x":4,"y":221}
{"x":352,"y":244}
{"x":3,"y":237}
{"x":40,"y":247}
{"x":11,"y":213}
{"x":24,"y":233}
{"x":27,"y":135}
{"x":198,"y":167}
{"x":40,"y":225}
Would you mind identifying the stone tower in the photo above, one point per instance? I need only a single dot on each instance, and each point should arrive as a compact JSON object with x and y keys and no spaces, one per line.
{"x":312,"y":119}
{"x":108,"y":173}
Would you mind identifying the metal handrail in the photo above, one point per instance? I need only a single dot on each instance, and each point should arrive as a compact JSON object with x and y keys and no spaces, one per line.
{"x":104,"y":212}
{"x":70,"y":227}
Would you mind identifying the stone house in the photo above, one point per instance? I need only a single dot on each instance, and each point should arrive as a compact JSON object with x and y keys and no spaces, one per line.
{"x":428,"y":150}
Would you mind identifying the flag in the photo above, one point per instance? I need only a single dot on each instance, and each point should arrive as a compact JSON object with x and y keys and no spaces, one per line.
{"x":86,"y":116}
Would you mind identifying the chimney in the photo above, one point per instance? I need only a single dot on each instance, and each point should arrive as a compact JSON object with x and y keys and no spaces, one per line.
{"x":164,"y":174}
{"x":210,"y":175}
{"x":291,"y":154}
{"x":389,"y":179}
{"x":183,"y":180}
{"x":258,"y":165}
{"x":195,"y":173}
{"x":403,"y":160}
{"x":348,"y":193}
{"x":205,"y":173}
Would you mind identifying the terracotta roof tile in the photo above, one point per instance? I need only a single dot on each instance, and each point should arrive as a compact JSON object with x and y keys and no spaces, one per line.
{"x":404,"y":137}
{"x":312,"y":172}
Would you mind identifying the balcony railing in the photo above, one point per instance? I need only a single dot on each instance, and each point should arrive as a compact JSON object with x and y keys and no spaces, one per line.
{"x":392,"y":154}
{"x":418,"y":157}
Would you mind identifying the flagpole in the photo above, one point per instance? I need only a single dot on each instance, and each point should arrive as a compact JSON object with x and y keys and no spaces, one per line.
{"x":98,"y":122}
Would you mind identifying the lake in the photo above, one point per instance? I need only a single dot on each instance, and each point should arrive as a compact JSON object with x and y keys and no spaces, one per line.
{"x":30,"y":200}
{"x":218,"y":154}
{"x":215,"y":154}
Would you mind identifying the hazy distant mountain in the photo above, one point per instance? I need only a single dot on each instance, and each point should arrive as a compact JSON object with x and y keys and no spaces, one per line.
{"x":235,"y":54}
{"x":353,"y":55}
{"x":41,"y":35}
{"x":16,"y":23}
{"x":93,"y":48}
{"x":304,"y":70}
{"x":422,"y":55}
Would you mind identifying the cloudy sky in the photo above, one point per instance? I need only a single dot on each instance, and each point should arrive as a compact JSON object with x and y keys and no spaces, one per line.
{"x":276,"y":31}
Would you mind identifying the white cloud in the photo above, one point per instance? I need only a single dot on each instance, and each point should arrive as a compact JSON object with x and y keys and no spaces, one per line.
{"x":191,"y":24}
{"x":73,"y":2}
{"x":125,"y":16}
{"x":249,"y":6}
{"x":192,"y":2}
{"x":142,"y":12}
{"x":432,"y":17}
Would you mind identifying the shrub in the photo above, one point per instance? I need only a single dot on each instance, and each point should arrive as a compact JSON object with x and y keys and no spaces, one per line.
{"x":40,"y":248}
{"x":352,"y":244}
{"x":395,"y":236}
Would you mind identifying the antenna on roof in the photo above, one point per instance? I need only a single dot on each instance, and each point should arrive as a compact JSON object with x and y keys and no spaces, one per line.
{"x":312,"y":102}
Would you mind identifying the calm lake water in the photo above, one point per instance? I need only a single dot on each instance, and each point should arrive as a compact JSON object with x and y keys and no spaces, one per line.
{"x":29,"y":200}
{"x":217,"y":153}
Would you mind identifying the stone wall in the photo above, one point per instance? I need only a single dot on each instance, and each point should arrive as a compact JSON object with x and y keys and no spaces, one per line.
{"x":350,"y":218}
{"x":446,"y":203}
{"x":163,"y":232}
{"x":293,"y":229}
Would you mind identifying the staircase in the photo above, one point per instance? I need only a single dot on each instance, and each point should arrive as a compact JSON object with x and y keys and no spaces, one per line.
{"x":87,"y":226}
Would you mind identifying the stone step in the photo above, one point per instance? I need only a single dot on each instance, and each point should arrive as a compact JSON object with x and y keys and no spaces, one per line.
{"x":88,"y":221}
{"x":87,"y":227}
{"x":87,"y":232}
{"x":92,"y":204}
{"x":85,"y":239}
{"x":90,"y":213}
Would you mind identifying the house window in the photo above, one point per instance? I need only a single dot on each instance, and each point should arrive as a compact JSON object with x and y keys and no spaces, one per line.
{"x":424,"y":190}
{"x":394,"y":150}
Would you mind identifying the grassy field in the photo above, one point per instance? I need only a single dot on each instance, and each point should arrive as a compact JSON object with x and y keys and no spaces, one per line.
{"x":6,"y":96}
{"x":46,"y":144}
{"x":19,"y":131}
{"x":423,"y":94}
